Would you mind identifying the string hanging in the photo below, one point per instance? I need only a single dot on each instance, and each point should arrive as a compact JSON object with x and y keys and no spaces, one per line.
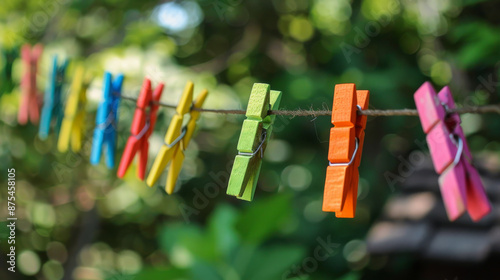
{"x":485,"y":109}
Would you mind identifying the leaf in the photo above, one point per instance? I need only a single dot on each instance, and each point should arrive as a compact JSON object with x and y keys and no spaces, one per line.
{"x":188,"y":237}
{"x":221,"y":227}
{"x":351,"y":276}
{"x":205,"y":271}
{"x":161,"y":273}
{"x":479,"y":42}
{"x":263,"y":218}
{"x":170,"y":235}
{"x":273,"y":263}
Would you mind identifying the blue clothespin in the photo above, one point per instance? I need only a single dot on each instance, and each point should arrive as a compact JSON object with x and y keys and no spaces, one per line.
{"x":52,"y":105}
{"x":105,"y":129}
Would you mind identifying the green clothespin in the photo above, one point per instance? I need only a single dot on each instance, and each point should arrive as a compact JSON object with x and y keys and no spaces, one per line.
{"x":255,"y":133}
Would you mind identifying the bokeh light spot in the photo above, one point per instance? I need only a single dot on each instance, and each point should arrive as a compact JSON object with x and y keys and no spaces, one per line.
{"x":471,"y":123}
{"x":129,"y":262}
{"x":53,"y":270}
{"x":177,"y":17}
{"x":277,"y":151}
{"x":441,"y":73}
{"x":28,"y":263}
{"x":43,"y":215}
{"x":57,"y":251}
{"x":313,"y":212}
{"x":181,"y":256}
{"x":354,"y":251}
{"x":297,"y":177}
{"x":301,"y":29}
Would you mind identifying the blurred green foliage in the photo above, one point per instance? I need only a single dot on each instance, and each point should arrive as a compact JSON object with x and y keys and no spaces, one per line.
{"x":80,"y":222}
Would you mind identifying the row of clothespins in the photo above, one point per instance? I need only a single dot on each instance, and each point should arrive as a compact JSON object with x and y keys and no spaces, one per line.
{"x":69,"y":123}
{"x":460,"y":185}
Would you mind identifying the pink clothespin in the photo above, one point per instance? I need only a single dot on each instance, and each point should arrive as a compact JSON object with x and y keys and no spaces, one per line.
{"x":460,"y":184}
{"x":30,"y":100}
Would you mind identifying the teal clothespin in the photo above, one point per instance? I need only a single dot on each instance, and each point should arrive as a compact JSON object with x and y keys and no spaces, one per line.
{"x":255,"y":134}
{"x":52,"y":104}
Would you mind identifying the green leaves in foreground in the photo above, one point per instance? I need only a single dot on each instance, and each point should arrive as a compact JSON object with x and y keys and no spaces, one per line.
{"x":263,"y":218}
{"x":230,"y":247}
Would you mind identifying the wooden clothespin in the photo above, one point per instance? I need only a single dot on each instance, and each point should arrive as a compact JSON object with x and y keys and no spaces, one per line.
{"x":177,"y":139}
{"x":142,"y":127}
{"x":460,"y":184}
{"x":52,"y":102}
{"x":107,"y":116}
{"x":73,"y":123}
{"x":346,"y":146}
{"x":30,"y":100}
{"x":255,"y":134}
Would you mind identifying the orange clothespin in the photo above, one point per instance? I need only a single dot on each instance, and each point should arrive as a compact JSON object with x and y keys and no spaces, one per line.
{"x":30,"y":100}
{"x":346,"y":145}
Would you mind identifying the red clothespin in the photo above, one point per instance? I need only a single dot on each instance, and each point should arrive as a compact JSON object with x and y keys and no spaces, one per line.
{"x":346,"y":145}
{"x":30,"y":100}
{"x":459,"y":182}
{"x":142,"y":127}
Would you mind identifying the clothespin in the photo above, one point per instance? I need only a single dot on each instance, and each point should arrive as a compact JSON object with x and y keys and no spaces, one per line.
{"x":73,"y":123}
{"x":460,"y":184}
{"x":107,"y":116}
{"x":177,"y":139}
{"x":255,"y":134}
{"x":30,"y":101}
{"x":346,"y":146}
{"x":142,"y":127}
{"x":52,"y":102}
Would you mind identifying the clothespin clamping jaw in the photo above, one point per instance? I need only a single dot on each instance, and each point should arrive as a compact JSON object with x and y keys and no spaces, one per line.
{"x":460,"y":184}
{"x":107,"y":116}
{"x":255,"y":134}
{"x":177,"y":139}
{"x":30,"y":101}
{"x":346,"y":146}
{"x":73,"y":123}
{"x":142,"y":127}
{"x":52,"y":102}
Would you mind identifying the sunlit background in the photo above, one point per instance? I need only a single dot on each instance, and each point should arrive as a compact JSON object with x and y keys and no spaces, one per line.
{"x":78,"y":221}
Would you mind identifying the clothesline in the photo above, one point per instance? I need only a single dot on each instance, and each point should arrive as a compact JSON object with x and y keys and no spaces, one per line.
{"x":460,"y":183}
{"x":485,"y":109}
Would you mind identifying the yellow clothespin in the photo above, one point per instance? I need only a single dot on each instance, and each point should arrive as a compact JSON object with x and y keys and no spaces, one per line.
{"x":74,"y":114}
{"x":177,"y":139}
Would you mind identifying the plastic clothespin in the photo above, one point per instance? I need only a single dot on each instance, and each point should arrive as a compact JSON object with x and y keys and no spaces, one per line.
{"x":346,"y":146}
{"x":459,"y":182}
{"x":52,"y":102}
{"x":73,"y":123}
{"x":255,"y":134}
{"x":107,"y":116}
{"x":477,"y":203}
{"x":30,"y":100}
{"x":177,"y":139}
{"x":142,"y":127}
